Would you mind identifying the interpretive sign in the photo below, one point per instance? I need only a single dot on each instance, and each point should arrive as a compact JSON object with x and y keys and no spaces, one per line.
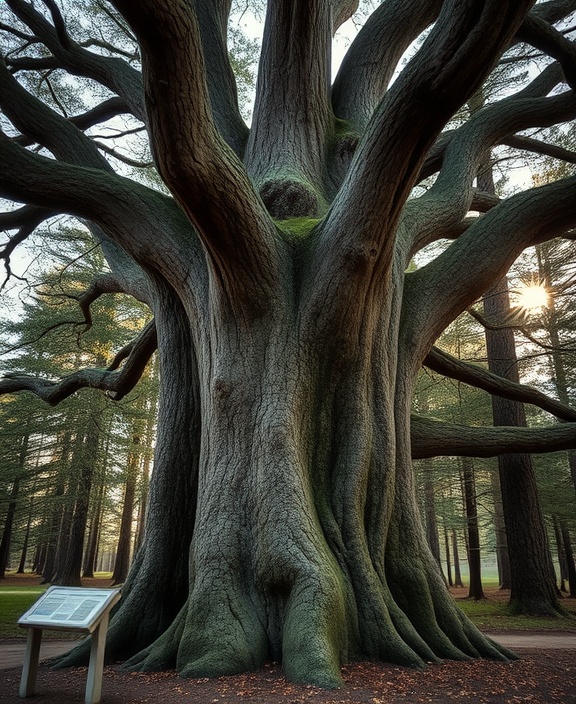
{"x":69,"y":609}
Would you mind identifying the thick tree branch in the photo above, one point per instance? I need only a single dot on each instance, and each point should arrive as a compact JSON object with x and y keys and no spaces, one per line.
{"x":116,"y":383}
{"x":432,"y":438}
{"x":292,"y":112}
{"x":544,"y":37}
{"x":66,"y":142}
{"x":212,"y":22}
{"x":554,"y":10}
{"x":372,"y":58}
{"x":454,"y":280}
{"x":134,"y":215}
{"x":458,"y":54}
{"x":194,"y":161}
{"x":481,"y":378}
{"x":59,"y":24}
{"x":450,"y":198}
{"x":548,"y":79}
{"x":24,"y":217}
{"x":538,"y":147}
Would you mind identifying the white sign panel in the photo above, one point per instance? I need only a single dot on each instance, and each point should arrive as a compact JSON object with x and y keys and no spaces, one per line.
{"x":69,"y":608}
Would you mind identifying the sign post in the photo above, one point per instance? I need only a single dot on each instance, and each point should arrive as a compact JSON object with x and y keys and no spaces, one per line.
{"x":69,"y":609}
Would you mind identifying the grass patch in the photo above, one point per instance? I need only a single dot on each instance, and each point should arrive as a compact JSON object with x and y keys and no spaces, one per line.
{"x":491,"y":614}
{"x":14,"y":601}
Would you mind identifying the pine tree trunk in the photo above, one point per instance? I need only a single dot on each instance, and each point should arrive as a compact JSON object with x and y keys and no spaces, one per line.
{"x":469,"y":487}
{"x":124,"y":547}
{"x":533,"y":588}
{"x":94,"y":534}
{"x":87,"y":455}
{"x":571,"y":569}
{"x":430,"y":515}
{"x":562,"y":563}
{"x":8,"y":527}
{"x":448,"y":562}
{"x":24,"y":552}
{"x":457,"y":574}
{"x":502,"y":559}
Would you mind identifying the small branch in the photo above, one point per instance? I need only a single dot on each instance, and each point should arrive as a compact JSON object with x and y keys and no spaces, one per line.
{"x":27,"y":63}
{"x":110,"y":47}
{"x":538,"y":147}
{"x":46,"y":79}
{"x":431,"y":438}
{"x":17,"y":33}
{"x":101,"y":113}
{"x":474,"y":375}
{"x":128,"y":349}
{"x":59,"y":23}
{"x":546,"y":38}
{"x":104,"y":283}
{"x":116,"y":383}
{"x":121,"y":157}
{"x":28,"y":215}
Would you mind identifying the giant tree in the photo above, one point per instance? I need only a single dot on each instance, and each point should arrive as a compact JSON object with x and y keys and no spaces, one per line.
{"x":282,"y":521}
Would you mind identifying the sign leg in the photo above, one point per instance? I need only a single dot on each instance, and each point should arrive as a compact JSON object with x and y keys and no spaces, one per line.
{"x":31,"y":658}
{"x":96,"y":666}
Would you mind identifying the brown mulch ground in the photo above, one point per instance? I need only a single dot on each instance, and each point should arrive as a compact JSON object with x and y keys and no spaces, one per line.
{"x":539,"y":677}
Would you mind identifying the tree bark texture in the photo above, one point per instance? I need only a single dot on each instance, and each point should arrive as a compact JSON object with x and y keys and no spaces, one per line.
{"x":282,"y":520}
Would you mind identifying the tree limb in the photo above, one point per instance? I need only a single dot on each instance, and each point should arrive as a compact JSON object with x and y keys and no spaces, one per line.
{"x":372,"y":58}
{"x":59,"y":23}
{"x":458,"y":54}
{"x":134,"y":215}
{"x":481,"y":378}
{"x":121,"y":157}
{"x":293,"y":82}
{"x":194,"y":161}
{"x":116,"y":383}
{"x":101,"y":284}
{"x":538,"y":147}
{"x":456,"y":278}
{"x":543,"y":36}
{"x":113,"y":72}
{"x":450,"y":197}
{"x":431,"y":438}
{"x":212,"y":23}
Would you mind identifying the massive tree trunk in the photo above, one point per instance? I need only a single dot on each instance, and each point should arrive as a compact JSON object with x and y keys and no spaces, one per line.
{"x":282,"y":520}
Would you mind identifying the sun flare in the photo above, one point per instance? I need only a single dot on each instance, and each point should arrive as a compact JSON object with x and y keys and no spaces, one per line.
{"x":532,"y":297}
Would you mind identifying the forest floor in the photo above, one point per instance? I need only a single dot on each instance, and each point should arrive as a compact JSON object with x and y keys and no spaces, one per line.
{"x":542,"y":675}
